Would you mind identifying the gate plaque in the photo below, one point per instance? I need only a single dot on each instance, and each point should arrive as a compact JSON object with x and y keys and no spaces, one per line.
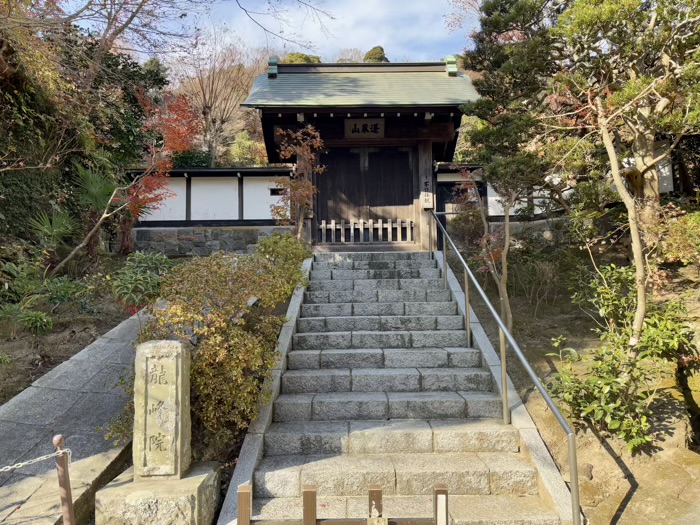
{"x":364,"y":128}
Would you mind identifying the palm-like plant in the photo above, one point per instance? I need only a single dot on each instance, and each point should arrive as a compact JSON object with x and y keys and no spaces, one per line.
{"x":94,"y":188}
{"x":54,"y":228}
{"x":94,"y":192}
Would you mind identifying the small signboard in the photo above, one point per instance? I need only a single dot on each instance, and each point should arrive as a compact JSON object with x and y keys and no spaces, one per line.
{"x":364,"y":128}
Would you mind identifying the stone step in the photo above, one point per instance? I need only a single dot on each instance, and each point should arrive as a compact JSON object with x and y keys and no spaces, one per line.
{"x":372,"y":256}
{"x":397,"y":474}
{"x":374,"y":284}
{"x":380,"y":339}
{"x":380,"y":323}
{"x":386,"y":380}
{"x":345,"y":406}
{"x":377,"y":296}
{"x":384,"y":358}
{"x":375,"y":265}
{"x":393,"y":436}
{"x":463,"y":510}
{"x":363,"y":309}
{"x":345,"y":275}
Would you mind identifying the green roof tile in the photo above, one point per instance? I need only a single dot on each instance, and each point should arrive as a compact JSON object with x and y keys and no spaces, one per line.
{"x":361,"y":89}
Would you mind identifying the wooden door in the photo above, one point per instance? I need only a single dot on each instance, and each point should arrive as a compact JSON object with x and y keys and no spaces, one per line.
{"x":367,"y":183}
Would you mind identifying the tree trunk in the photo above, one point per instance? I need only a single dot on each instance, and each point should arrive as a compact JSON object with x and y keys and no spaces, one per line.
{"x":126,"y":238}
{"x":93,"y":244}
{"x":644,"y":154}
{"x":635,"y":235}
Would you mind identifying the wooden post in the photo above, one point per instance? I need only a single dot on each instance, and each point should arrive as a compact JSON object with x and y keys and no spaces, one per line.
{"x":375,"y":501}
{"x":245,"y":504}
{"x":352,"y":231}
{"x":64,"y":482}
{"x":342,"y":231}
{"x":333,"y":231}
{"x":309,"y":502}
{"x":323,"y":231}
{"x":381,"y":231}
{"x":440,"y":514}
{"x":371,"y":230}
{"x":362,"y":230}
{"x":391,"y":235}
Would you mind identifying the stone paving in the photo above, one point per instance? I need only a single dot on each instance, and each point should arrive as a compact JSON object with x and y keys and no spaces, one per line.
{"x":74,"y":399}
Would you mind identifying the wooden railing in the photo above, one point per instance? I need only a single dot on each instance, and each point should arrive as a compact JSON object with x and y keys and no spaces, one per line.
{"x":372,"y":231}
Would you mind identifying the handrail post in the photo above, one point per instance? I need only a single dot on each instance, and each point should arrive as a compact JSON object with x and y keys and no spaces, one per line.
{"x":504,"y":377}
{"x":430,"y":237}
{"x":444,"y":260}
{"x":573,"y":475}
{"x":467,"y":309}
{"x":64,"y":482}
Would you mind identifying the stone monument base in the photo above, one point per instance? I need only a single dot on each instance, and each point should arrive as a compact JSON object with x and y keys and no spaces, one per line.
{"x":190,"y":500}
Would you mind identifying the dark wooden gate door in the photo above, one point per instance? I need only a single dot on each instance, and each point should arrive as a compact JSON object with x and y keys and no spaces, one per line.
{"x":367,"y":183}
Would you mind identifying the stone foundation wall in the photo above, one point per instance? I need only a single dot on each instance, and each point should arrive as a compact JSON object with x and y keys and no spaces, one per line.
{"x":200,"y":240}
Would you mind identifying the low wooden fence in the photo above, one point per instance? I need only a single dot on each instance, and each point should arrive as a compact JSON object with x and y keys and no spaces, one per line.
{"x":375,"y":510}
{"x":371,"y":231}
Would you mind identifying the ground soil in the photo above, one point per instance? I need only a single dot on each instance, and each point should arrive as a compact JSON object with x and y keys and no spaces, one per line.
{"x":31,"y":357}
{"x":659,"y":485}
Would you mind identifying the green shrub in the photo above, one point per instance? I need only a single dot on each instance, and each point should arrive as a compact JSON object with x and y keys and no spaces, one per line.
{"x":613,"y":387}
{"x":207,"y":302}
{"x":286,"y":254}
{"x":38,"y":323}
{"x":682,"y":240}
{"x":62,"y":290}
{"x":138,"y":282}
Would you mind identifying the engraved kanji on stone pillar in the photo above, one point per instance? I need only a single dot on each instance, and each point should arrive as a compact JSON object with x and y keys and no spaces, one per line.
{"x":162,"y":427}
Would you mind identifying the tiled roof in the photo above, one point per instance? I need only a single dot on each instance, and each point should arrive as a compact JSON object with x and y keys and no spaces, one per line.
{"x":360,"y":85}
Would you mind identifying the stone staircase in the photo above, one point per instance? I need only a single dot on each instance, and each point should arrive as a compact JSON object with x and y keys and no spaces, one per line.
{"x":381,"y":388}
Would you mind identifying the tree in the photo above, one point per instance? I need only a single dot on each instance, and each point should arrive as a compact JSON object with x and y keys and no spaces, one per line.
{"x":301,"y":58}
{"x":304,"y":146}
{"x":632,"y":77}
{"x":500,"y":126}
{"x":247,"y":152}
{"x":350,"y":55}
{"x":376,"y":54}
{"x":216,"y":77}
{"x":172,"y":126}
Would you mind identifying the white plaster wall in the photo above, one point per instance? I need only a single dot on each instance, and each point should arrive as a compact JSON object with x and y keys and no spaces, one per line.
{"x":256,"y":197}
{"x":494,"y":205}
{"x":173,"y":208}
{"x":214,"y":198}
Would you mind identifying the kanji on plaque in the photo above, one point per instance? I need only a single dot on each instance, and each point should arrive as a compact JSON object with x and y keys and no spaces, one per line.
{"x":161,"y":406}
{"x":364,"y":128}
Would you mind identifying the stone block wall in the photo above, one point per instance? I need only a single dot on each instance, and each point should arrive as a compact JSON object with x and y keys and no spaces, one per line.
{"x":200,"y":240}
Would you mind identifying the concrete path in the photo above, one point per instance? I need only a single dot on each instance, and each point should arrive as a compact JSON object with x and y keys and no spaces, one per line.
{"x":74,"y":399}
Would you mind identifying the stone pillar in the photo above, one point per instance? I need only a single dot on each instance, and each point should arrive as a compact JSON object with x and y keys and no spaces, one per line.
{"x":162,"y":428}
{"x":162,"y":487}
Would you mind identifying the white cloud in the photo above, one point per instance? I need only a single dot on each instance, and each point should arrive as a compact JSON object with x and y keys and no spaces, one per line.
{"x":405,"y":28}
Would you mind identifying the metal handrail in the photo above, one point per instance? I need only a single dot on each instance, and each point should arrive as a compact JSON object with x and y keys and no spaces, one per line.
{"x":506,"y":336}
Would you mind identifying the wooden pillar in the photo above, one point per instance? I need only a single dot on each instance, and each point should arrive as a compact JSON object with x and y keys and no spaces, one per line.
{"x":425,"y":192}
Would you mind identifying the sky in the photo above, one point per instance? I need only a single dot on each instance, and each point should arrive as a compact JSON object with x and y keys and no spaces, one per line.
{"x":407,"y":29}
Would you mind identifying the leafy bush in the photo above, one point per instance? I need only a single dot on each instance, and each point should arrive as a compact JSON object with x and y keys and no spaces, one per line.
{"x":682,"y":241}
{"x":286,"y":254}
{"x":62,"y":290}
{"x":207,"y":302}
{"x":612,"y":388}
{"x":38,"y":323}
{"x":138,"y":282}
